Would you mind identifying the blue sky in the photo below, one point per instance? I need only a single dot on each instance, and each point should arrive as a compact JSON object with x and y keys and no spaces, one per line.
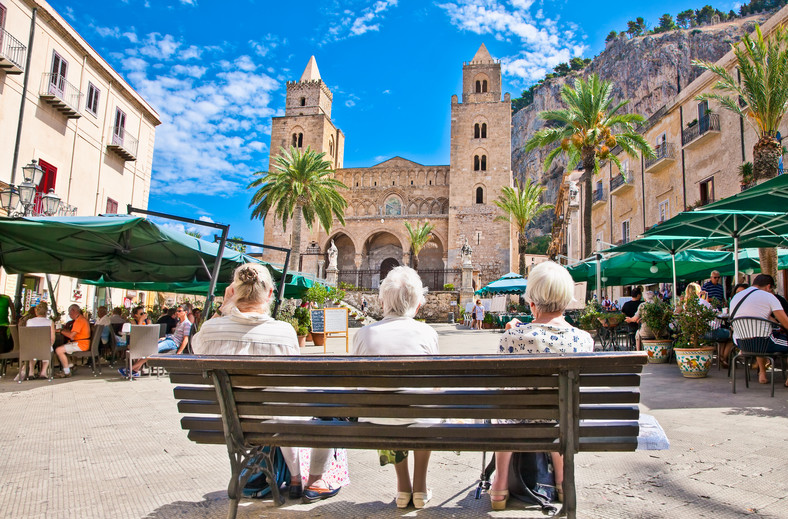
{"x":216,"y":72}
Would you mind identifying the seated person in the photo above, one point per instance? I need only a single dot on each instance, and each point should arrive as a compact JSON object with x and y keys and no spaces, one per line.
{"x":40,"y":319}
{"x":398,"y":333}
{"x":246,"y":328}
{"x":550,"y":290}
{"x":643,"y":331}
{"x":117,"y":320}
{"x":168,"y":318}
{"x":79,"y":336}
{"x":176,"y":342}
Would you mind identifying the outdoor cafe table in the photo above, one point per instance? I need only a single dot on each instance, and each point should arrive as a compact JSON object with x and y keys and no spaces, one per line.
{"x":505,"y":318}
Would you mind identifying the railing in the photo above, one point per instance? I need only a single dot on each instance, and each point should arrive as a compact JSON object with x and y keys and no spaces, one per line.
{"x":663,"y":151}
{"x":127,"y":142}
{"x":57,"y":86}
{"x":599,"y":195}
{"x":434,"y":279}
{"x":12,"y":49}
{"x":705,"y":124}
{"x":625,"y":177}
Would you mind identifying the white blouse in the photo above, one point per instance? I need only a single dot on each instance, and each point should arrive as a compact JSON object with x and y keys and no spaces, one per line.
{"x":545,"y":338}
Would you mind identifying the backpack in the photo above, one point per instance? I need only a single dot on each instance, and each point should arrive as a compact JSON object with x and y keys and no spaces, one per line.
{"x":531,"y":479}
{"x":258,"y":487}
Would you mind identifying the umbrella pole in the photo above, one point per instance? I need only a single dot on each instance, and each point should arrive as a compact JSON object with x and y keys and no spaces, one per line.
{"x":208,"y":310}
{"x":599,"y":278}
{"x":675,"y":287}
{"x":736,"y":260}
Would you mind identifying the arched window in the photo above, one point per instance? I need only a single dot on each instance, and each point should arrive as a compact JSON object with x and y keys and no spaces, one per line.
{"x":393,"y":206}
{"x":478,"y":87}
{"x":484,"y":130}
{"x":476,"y":131}
{"x":479,"y":195}
{"x":331,"y":147}
{"x":295,"y":140}
{"x":484,"y":86}
{"x":303,"y":101}
{"x":484,"y":162}
{"x":300,"y":140}
{"x":476,"y":163}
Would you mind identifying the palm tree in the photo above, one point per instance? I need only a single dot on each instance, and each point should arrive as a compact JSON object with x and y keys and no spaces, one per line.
{"x":587,"y":130}
{"x":418,"y":237}
{"x":759,"y":97}
{"x":300,"y":185}
{"x":521,"y":205}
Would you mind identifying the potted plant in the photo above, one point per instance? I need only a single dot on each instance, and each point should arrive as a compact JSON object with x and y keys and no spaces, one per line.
{"x":611,"y":319}
{"x":655,"y":317}
{"x":746,"y":175}
{"x":304,"y":320}
{"x":692,"y":354}
{"x":692,"y":123}
{"x":317,"y":294}
{"x":335,"y":295}
{"x":488,"y":321}
{"x":298,"y":329}
{"x":589,"y":318}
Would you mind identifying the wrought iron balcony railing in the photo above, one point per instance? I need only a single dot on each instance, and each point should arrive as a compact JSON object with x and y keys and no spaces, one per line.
{"x":708,"y":123}
{"x":12,"y":53}
{"x":61,"y":94}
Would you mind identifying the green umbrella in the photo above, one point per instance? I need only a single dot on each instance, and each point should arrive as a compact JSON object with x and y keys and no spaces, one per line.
{"x":511,"y":283}
{"x":771,"y":195}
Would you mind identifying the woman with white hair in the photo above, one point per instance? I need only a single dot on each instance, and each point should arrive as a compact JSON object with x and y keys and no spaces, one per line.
{"x":398,"y":333}
{"x":247,"y":328}
{"x":549,"y":291}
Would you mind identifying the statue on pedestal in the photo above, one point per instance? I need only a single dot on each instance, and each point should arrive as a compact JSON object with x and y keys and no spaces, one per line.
{"x":333,"y":252}
{"x":465,"y":253}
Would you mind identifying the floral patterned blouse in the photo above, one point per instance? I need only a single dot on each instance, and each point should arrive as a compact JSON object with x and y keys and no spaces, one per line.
{"x":546,"y":338}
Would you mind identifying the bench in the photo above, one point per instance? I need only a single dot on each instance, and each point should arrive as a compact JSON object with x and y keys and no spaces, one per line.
{"x":588,"y":401}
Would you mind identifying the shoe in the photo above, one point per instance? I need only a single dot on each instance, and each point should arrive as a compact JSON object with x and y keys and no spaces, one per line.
{"x":20,"y":377}
{"x":62,"y":374}
{"x":501,"y":503}
{"x":403,"y":499}
{"x":124,"y":372}
{"x":135,"y":374}
{"x":312,"y":494}
{"x":421,"y":498}
{"x":295,"y":491}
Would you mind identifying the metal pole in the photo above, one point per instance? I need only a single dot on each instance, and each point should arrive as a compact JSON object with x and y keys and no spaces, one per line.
{"x":735,"y":259}
{"x":598,"y":275}
{"x":282,"y":282}
{"x":24,"y":95}
{"x":673,"y":264}
{"x":52,"y":295}
{"x":215,"y":274}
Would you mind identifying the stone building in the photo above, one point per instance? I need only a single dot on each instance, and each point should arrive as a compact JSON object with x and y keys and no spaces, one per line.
{"x":455,"y":198}
{"x":63,"y":105}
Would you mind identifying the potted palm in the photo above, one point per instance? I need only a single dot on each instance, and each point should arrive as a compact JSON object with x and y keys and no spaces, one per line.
{"x":692,"y":354}
{"x":655,"y":317}
{"x":589,"y":318}
{"x":317,"y":294}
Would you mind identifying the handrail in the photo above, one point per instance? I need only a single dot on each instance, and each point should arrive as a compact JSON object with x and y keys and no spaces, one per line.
{"x":127,"y":142}
{"x":710,"y":122}
{"x":12,"y":49}
{"x":663,"y":151}
{"x":57,"y":86}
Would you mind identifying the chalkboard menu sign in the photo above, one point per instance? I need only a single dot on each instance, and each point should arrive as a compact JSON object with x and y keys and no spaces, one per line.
{"x":317,"y":321}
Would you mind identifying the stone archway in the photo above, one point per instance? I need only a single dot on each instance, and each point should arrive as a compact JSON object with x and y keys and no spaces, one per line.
{"x":385,"y":267}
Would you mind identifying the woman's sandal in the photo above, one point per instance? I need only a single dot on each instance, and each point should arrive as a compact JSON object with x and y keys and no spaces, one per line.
{"x":499,"y":504}
{"x":403,"y":499}
{"x":421,"y":498}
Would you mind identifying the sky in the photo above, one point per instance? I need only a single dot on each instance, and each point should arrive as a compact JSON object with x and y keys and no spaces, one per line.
{"x":216,"y":73}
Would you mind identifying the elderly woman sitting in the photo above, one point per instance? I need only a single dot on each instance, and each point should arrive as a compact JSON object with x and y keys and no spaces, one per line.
{"x":549,"y":292}
{"x":401,"y":295}
{"x":246,"y":328}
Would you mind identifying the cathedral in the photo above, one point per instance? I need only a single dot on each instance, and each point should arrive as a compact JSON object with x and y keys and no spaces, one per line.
{"x":456,"y":198}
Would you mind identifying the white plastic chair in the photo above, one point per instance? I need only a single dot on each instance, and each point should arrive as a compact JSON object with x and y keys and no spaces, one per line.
{"x":143,"y":342}
{"x":35,"y":343}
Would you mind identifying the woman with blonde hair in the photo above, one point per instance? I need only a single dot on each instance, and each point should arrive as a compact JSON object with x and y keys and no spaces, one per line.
{"x":247,"y":328}
{"x":40,"y":319}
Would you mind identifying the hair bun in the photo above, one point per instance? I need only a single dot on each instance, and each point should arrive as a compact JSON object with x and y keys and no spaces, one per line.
{"x":248,"y":276}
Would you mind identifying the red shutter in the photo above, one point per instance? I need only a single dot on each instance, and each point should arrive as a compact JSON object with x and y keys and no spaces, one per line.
{"x":48,"y":180}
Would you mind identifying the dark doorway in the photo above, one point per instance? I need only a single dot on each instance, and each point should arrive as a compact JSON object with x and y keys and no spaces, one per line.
{"x":386,"y":266}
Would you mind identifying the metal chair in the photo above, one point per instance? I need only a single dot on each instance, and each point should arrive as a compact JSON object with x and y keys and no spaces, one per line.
{"x":35,"y":343}
{"x":143,"y":342}
{"x":718,"y":324}
{"x":753,"y":337}
{"x":14,"y":353}
{"x":163,"y":330}
{"x":93,"y":351}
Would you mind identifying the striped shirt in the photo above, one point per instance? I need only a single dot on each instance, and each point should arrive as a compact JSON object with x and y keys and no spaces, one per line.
{"x":245,"y":334}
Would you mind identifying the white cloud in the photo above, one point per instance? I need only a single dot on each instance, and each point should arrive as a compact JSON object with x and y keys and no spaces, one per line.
{"x":266,"y":45}
{"x":348,"y":23}
{"x":350,"y":103}
{"x":545,"y":43}
{"x":158,"y":46}
{"x":206,"y":219}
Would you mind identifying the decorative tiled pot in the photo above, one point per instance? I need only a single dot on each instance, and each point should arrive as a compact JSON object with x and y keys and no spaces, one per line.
{"x":694,"y":362}
{"x":658,"y":350}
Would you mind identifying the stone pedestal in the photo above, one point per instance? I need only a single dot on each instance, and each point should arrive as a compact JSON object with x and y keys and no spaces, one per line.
{"x":332,"y":276}
{"x":466,"y":290}
{"x":320,"y":264}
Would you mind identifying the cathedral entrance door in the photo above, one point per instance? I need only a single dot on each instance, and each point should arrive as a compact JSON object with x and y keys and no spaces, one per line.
{"x":386,"y":266}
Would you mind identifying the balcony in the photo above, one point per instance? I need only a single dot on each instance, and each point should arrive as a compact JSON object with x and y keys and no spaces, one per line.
{"x":61,"y":94}
{"x":665,"y":156}
{"x":123,"y":145}
{"x":622,"y":182}
{"x":706,"y":127}
{"x":598,"y":196}
{"x":12,"y":53}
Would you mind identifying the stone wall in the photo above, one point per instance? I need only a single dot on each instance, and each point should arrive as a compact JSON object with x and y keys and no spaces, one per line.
{"x":436,"y":309}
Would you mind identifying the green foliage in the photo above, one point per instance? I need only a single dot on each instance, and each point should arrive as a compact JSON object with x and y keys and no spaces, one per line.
{"x":194,"y":233}
{"x":665,"y":24}
{"x":448,"y":287}
{"x":348,"y":286}
{"x":538,"y":245}
{"x":240,"y":247}
{"x":154,"y":312}
{"x":612,"y":35}
{"x":317,"y":294}
{"x":336,"y":294}
{"x":488,"y":318}
{"x":694,"y":323}
{"x":560,"y":70}
{"x":292,"y":321}
{"x":657,"y":315}
{"x":521,"y":204}
{"x":756,"y":6}
{"x":418,"y":237}
{"x":746,"y":173}
{"x":589,"y":318}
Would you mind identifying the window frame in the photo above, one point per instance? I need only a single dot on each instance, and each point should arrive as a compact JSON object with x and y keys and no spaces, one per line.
{"x":111,"y":203}
{"x":96,"y":93}
{"x":665,"y":204}
{"x":479,"y":195}
{"x":626,"y":226}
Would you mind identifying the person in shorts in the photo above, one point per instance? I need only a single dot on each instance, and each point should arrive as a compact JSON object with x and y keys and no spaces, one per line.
{"x":79,"y":339}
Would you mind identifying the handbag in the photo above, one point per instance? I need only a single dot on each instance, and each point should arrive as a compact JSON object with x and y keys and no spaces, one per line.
{"x":531,"y":479}
{"x":258,"y":486}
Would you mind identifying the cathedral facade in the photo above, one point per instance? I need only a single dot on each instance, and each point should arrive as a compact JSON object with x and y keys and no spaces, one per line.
{"x":456,"y":198}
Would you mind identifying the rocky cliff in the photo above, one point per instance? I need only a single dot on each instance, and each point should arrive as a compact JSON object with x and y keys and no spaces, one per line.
{"x":648,"y":70}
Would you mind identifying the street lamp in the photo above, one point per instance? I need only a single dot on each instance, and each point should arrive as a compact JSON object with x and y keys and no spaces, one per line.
{"x":24,"y":194}
{"x":33,"y":172}
{"x":50,"y":202}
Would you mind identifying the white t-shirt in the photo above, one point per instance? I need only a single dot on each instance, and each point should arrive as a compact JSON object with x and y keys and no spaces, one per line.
{"x":396,"y":336}
{"x":760,"y":304}
{"x":245,"y":334}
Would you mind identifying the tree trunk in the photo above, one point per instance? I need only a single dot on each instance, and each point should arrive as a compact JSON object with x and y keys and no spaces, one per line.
{"x":765,"y":162}
{"x":521,"y":242}
{"x":588,"y":156}
{"x":414,"y":260}
{"x":295,"y":246}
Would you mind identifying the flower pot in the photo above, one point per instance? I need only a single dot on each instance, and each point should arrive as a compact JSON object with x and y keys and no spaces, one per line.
{"x":658,"y":350}
{"x":488,"y":326}
{"x":301,"y":341}
{"x":318,"y":338}
{"x":694,"y":362}
{"x":309,"y":337}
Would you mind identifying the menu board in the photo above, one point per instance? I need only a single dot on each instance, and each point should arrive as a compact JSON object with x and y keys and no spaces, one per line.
{"x":336,"y":319}
{"x":317,"y":321}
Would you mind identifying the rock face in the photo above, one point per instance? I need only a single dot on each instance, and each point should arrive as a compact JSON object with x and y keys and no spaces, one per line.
{"x":648,"y":70}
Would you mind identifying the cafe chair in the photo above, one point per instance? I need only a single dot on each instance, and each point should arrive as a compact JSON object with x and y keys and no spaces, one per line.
{"x":35,"y":343}
{"x":752,"y":336}
{"x":12,"y":355}
{"x":93,"y":351}
{"x":143,"y":342}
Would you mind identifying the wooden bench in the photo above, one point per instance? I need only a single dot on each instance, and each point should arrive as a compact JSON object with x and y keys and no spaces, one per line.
{"x":589,"y":403}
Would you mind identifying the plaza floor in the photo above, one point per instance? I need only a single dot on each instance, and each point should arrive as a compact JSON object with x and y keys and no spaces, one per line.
{"x":107,"y":448}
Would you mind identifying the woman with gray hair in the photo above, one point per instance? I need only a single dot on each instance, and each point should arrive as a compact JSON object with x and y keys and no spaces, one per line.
{"x":549,"y":291}
{"x":398,"y":333}
{"x":247,"y":328}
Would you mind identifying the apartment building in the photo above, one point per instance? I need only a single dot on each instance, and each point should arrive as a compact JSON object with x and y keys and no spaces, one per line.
{"x":699,"y":149}
{"x":63,"y":106}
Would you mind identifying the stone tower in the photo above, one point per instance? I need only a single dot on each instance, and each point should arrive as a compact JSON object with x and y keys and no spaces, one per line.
{"x":481,"y":151}
{"x":306,"y":123}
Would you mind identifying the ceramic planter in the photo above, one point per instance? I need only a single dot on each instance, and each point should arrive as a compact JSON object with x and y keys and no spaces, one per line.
{"x":658,"y":350}
{"x":301,"y":341}
{"x":694,"y":362}
{"x":318,"y":338}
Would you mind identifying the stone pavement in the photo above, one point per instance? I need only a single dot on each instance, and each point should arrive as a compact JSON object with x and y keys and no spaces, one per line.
{"x":107,"y":448}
